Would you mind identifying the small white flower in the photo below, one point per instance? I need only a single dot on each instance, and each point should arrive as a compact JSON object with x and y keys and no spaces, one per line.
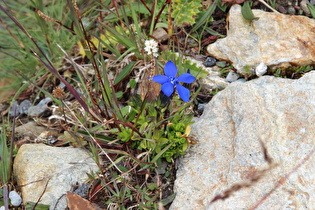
{"x":151,"y":47}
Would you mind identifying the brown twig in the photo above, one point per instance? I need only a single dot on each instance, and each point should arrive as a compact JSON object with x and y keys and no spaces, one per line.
{"x":40,"y":197}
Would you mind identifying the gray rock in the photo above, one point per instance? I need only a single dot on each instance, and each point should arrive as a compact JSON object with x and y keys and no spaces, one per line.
{"x":232,"y":76}
{"x":279,"y":112}
{"x":61,"y":167}
{"x":15,"y":198}
{"x":24,"y":106}
{"x":273,"y":39}
{"x":40,"y":108}
{"x":30,"y":129}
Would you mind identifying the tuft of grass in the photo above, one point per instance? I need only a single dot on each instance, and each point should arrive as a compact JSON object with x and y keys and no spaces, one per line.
{"x":292,"y":72}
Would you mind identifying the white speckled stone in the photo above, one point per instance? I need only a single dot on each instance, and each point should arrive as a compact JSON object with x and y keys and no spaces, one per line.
{"x":280,"y":112}
{"x":61,"y":167}
{"x":273,"y":39}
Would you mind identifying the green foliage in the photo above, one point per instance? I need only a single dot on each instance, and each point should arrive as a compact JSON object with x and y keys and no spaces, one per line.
{"x":184,"y":65}
{"x":159,"y":133}
{"x":4,"y":158}
{"x":185,"y":11}
{"x":273,"y":3}
{"x":311,"y":8}
{"x":16,"y":49}
{"x":247,"y":12}
{"x":37,"y":206}
{"x":293,"y":72}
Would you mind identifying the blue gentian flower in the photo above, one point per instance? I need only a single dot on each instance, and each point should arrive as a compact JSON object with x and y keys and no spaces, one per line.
{"x":169,"y":81}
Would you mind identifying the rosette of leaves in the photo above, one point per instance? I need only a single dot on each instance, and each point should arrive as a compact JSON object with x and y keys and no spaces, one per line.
{"x":185,"y":11}
{"x":162,"y":134}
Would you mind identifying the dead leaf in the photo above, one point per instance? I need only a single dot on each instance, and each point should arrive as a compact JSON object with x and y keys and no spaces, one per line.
{"x":149,"y":88}
{"x":76,"y":202}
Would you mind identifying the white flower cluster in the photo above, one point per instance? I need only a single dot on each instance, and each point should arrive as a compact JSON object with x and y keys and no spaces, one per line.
{"x":151,"y":47}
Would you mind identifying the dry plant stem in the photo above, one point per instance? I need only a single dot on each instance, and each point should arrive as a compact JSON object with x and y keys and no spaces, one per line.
{"x":269,"y":7}
{"x":94,"y":63}
{"x":98,"y":145}
{"x":160,"y":12}
{"x":146,"y":6}
{"x":45,"y":17}
{"x":282,"y":180}
{"x":5,"y":197}
{"x":119,"y":176}
{"x":12,"y":143}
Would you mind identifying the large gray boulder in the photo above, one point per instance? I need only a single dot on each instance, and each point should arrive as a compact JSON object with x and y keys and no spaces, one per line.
{"x":279,"y":112}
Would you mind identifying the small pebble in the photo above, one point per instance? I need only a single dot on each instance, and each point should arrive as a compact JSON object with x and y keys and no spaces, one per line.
{"x":209,"y":62}
{"x":15,"y":198}
{"x":261,"y":69}
{"x":232,"y":77}
{"x":291,"y":10}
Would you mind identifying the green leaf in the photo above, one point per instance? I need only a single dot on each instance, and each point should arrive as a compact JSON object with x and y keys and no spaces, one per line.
{"x":152,"y":186}
{"x":311,"y":8}
{"x":125,"y":72}
{"x":185,"y":12}
{"x":168,"y":200}
{"x":132,"y":83}
{"x":119,"y":94}
{"x":39,"y":206}
{"x":205,"y":16}
{"x":4,"y":158}
{"x":247,"y":12}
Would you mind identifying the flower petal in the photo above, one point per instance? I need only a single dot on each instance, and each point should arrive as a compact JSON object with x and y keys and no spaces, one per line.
{"x":167,"y":88}
{"x":170,"y":69}
{"x":187,"y":78}
{"x":183,"y":92}
{"x":160,"y":79}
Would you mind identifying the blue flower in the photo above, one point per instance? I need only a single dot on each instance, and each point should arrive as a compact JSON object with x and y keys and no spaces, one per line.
{"x":169,"y":81}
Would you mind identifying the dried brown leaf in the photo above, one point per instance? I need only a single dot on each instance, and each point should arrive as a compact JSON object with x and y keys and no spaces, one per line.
{"x":75,"y":202}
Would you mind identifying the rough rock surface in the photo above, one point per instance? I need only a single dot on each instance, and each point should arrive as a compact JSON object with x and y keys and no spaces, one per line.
{"x":30,"y":129}
{"x":213,"y":80}
{"x":279,"y":112}
{"x":61,"y":167}
{"x":273,"y":39}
